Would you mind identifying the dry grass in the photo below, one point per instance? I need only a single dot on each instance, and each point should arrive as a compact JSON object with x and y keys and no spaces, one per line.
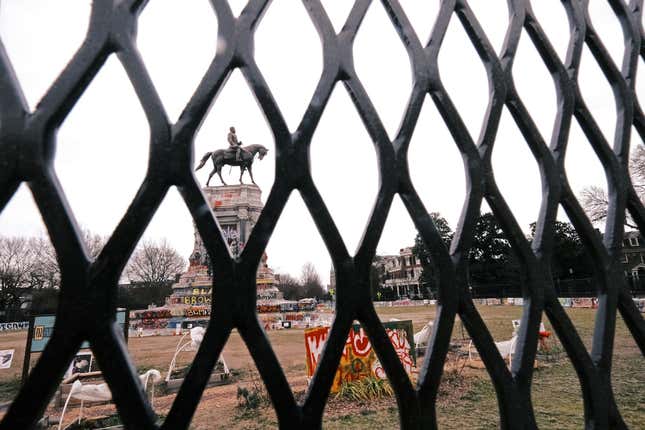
{"x":465,"y":401}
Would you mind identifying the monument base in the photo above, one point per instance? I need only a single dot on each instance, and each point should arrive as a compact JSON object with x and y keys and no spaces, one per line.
{"x":237,"y":209}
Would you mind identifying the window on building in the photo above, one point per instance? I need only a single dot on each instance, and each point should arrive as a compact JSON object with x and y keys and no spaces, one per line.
{"x":633,"y":241}
{"x":625,"y":259}
{"x":642,"y":259}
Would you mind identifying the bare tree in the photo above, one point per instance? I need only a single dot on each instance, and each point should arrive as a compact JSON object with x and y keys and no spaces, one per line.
{"x":637,"y":170}
{"x":154,"y":264}
{"x":93,"y":242}
{"x":30,"y":263}
{"x":16,"y":265}
{"x":46,"y":272}
{"x":290,"y":287}
{"x":595,"y":200}
{"x":310,"y":280}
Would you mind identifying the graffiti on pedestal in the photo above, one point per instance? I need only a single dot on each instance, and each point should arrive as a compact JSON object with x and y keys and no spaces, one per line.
{"x":232,"y":237}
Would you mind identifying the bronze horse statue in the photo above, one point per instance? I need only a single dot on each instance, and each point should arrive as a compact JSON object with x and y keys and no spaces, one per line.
{"x":221,"y":157}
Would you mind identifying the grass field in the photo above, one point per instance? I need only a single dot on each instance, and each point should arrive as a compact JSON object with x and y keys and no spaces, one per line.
{"x":465,"y":401}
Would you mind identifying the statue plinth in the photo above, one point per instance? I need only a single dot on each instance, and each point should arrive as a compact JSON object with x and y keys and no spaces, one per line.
{"x":237,"y":209}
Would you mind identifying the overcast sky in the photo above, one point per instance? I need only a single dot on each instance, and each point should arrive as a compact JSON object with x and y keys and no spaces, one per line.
{"x":103,"y":144}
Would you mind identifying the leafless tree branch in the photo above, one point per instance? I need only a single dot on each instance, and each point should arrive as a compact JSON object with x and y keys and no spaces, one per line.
{"x":154,"y":263}
{"x":594,"y":198}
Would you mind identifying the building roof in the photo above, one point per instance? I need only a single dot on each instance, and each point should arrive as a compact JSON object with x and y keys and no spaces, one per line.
{"x":632,"y":234}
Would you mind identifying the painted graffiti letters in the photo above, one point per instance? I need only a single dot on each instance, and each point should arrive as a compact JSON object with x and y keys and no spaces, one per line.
{"x":197,"y":300}
{"x":359,"y":359}
{"x":11,"y":326}
{"x":197,"y":312}
{"x":232,"y":237}
{"x":315,"y":340}
{"x":401,"y":345}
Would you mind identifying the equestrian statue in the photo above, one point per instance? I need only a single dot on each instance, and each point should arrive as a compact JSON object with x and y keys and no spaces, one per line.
{"x":234,"y":155}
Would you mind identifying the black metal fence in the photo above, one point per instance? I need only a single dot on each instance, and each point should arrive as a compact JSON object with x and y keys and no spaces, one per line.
{"x":636,"y":285}
{"x":583,"y":287}
{"x":89,"y":287}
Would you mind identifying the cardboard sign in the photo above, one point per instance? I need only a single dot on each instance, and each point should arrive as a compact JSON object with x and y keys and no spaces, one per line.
{"x":6,"y":357}
{"x":359,"y":359}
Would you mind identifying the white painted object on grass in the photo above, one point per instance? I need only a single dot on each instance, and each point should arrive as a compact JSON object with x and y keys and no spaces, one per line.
{"x":422,"y":337}
{"x":102,"y":393}
{"x":196,"y":338}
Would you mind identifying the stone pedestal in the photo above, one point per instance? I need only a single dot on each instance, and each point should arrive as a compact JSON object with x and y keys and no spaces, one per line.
{"x":237,"y":209}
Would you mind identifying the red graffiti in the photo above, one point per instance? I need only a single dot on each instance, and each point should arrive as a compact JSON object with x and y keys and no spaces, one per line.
{"x":361,"y":342}
{"x":401,"y":345}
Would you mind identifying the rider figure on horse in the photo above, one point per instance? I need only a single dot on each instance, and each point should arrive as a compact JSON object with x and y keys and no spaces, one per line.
{"x":234,"y":144}
{"x":233,"y":156}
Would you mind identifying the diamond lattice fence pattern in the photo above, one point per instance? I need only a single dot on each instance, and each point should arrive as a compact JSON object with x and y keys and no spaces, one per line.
{"x":89,"y":287}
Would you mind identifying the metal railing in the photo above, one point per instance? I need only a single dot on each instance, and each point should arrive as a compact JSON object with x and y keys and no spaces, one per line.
{"x":89,"y":287}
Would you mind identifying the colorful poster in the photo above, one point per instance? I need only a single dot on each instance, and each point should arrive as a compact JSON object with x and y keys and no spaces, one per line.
{"x":6,"y":357}
{"x":358,"y":359}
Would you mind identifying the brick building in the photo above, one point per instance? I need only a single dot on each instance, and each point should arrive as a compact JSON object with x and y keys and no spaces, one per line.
{"x":634,"y":255}
{"x":400,"y":273}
